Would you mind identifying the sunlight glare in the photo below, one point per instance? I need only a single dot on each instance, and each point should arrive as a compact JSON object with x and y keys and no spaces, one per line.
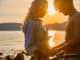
{"x":51,"y":35}
{"x":51,"y":43}
{"x":51,"y":9}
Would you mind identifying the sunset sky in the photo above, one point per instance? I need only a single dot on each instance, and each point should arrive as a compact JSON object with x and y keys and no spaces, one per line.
{"x":16,"y":10}
{"x":13,"y":10}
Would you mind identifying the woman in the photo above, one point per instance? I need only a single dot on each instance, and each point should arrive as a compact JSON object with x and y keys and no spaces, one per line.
{"x":34,"y":32}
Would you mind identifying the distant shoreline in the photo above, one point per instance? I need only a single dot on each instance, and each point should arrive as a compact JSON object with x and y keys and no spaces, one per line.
{"x":18,"y":26}
{"x":10,"y":26}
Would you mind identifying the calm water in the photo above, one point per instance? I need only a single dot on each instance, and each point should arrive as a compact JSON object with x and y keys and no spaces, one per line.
{"x":14,"y":40}
{"x":11,"y":40}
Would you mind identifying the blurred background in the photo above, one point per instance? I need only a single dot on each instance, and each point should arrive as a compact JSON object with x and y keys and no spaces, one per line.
{"x":12,"y":15}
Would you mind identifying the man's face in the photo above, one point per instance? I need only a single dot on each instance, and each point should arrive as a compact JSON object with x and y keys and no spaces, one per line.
{"x":62,"y":7}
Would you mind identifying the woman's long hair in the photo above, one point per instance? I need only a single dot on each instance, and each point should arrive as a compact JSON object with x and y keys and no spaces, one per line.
{"x":36,"y":10}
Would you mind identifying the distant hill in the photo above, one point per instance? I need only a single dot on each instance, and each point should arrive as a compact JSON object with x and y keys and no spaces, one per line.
{"x":10,"y":26}
{"x":56,"y":26}
{"x":17,"y":26}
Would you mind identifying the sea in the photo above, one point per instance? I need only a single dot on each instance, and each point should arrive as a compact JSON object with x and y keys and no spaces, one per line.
{"x":12,"y":42}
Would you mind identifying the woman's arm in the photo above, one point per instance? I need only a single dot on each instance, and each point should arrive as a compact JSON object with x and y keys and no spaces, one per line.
{"x":29,"y":35}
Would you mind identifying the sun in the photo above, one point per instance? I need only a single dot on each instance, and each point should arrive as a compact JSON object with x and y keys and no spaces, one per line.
{"x":51,"y":9}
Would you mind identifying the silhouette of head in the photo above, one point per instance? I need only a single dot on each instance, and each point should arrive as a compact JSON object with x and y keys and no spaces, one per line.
{"x":64,"y":6}
{"x":38,"y":9}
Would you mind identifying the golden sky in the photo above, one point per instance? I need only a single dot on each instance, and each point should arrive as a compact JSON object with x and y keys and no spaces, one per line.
{"x":13,"y":10}
{"x":16,"y":10}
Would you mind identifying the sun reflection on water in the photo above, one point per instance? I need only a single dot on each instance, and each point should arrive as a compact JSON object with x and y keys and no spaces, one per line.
{"x":51,"y":34}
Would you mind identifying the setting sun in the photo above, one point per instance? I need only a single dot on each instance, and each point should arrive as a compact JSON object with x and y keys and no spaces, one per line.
{"x":51,"y":9}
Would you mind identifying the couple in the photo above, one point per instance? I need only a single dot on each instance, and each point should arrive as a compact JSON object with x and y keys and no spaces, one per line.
{"x":36,"y":36}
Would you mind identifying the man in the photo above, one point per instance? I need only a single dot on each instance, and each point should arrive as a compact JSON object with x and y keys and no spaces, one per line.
{"x":72,"y":43}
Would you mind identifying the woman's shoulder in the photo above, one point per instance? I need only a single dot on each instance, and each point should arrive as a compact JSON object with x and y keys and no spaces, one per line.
{"x":32,"y":23}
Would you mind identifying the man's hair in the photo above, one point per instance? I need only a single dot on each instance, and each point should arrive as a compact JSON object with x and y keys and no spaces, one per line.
{"x":64,"y":1}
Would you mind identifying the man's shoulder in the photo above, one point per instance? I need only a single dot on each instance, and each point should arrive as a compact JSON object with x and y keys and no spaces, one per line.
{"x":77,"y":14}
{"x":76,"y":17}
